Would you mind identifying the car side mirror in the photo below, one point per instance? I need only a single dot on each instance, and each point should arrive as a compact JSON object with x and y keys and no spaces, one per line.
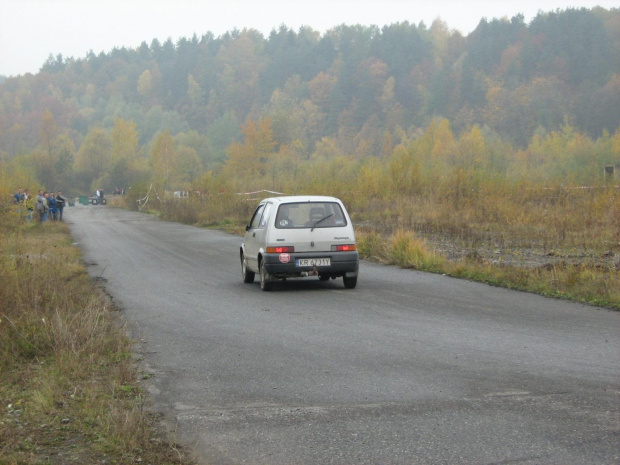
{"x":247,"y":227}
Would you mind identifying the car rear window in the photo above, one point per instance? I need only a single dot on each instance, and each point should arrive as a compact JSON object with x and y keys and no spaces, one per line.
{"x":301,"y":215}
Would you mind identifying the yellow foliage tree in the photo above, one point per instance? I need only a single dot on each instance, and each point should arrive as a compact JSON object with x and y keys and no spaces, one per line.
{"x":370,"y":179}
{"x":93,"y":159}
{"x":145,"y":84}
{"x":163,"y":156}
{"x":443,"y":140}
{"x":187,"y":167}
{"x":471,"y":151}
{"x":124,"y":140}
{"x":240,"y":62}
{"x":49,"y":131}
{"x":615,"y":145}
{"x":248,"y":161}
{"x":321,"y":88}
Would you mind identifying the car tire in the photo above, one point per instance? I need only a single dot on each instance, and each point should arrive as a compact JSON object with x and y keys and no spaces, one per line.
{"x":246,"y":274}
{"x":265,"y":284}
{"x":349,"y":283}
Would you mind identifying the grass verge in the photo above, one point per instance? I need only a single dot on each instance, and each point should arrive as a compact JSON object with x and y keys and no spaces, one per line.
{"x":69,"y":391}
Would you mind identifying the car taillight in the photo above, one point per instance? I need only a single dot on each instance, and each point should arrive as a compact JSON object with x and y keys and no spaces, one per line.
{"x":284,"y":249}
{"x":346,"y":248}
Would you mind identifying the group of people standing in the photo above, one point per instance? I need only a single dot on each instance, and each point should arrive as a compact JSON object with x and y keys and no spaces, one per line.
{"x":47,"y":205}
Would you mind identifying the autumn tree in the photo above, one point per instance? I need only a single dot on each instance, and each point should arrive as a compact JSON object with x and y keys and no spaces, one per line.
{"x":145,"y":84}
{"x":321,"y":87}
{"x":125,"y":166}
{"x":286,"y":120}
{"x":201,"y":144}
{"x":240,"y":62}
{"x":196,"y":112}
{"x":64,"y":158}
{"x":187,"y":167}
{"x":248,"y":161}
{"x":93,"y":159}
{"x":163,"y":156}
{"x":391,"y":108}
{"x":53,"y":157}
{"x":49,"y":131}
{"x":125,"y":140}
{"x":470,"y":152}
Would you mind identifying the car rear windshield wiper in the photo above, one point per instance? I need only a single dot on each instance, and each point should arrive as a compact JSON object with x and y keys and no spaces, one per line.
{"x":322,"y":219}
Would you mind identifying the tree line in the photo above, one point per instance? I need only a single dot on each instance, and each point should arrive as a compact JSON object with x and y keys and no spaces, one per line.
{"x":525,"y":97}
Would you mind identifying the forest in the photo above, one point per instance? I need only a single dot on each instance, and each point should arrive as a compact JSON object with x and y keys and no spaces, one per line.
{"x":402,"y":105}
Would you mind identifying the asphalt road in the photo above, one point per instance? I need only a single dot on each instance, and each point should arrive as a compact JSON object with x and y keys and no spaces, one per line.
{"x":408,"y":368}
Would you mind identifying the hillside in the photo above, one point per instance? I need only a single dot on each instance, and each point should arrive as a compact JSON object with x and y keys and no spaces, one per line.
{"x":355,"y":91}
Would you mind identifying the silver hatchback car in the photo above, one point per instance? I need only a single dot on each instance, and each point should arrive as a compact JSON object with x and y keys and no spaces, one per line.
{"x":299,"y":236}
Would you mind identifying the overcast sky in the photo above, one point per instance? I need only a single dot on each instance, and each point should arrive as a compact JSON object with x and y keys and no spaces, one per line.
{"x":31,"y":30}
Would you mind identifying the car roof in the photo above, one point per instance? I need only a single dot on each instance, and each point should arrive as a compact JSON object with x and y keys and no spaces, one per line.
{"x":301,"y":198}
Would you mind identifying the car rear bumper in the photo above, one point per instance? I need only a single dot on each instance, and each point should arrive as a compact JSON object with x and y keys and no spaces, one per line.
{"x":341,"y":263}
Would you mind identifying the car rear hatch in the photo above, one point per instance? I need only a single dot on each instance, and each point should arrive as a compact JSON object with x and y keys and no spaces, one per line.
{"x":317,"y":240}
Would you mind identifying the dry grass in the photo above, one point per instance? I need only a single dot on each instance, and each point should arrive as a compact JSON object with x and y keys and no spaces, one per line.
{"x":402,"y":249}
{"x":224,"y":211}
{"x":589,"y":283}
{"x":512,"y":217}
{"x":69,"y":391}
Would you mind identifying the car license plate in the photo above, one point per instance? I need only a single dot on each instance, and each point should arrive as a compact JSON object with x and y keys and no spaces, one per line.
{"x":313,"y":262}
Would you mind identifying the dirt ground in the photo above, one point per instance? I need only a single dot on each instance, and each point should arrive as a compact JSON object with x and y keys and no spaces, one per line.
{"x":527,"y":257}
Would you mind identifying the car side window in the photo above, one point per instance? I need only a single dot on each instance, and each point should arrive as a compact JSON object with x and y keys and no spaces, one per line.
{"x":338,"y":216}
{"x":265,"y":216}
{"x":283,"y":219}
{"x":257,"y":215}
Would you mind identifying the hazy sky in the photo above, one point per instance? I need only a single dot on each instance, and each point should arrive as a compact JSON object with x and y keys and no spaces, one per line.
{"x":31,"y":30}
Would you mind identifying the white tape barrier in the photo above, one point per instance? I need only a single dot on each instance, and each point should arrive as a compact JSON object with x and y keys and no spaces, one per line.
{"x":142,"y":202}
{"x":258,"y":192}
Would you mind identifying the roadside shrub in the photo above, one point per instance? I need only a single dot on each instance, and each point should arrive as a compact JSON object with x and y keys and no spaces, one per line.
{"x":403,"y":249}
{"x":181,"y":210}
{"x":408,"y":251}
{"x":372,"y":245}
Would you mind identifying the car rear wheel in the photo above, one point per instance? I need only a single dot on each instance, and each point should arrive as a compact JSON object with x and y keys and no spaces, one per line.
{"x":265,"y":284}
{"x":246,"y":274}
{"x":350,"y":283}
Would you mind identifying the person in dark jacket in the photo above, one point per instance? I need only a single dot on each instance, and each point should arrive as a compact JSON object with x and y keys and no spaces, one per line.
{"x":19,"y":196}
{"x":60,"y":204}
{"x":51,"y":202}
